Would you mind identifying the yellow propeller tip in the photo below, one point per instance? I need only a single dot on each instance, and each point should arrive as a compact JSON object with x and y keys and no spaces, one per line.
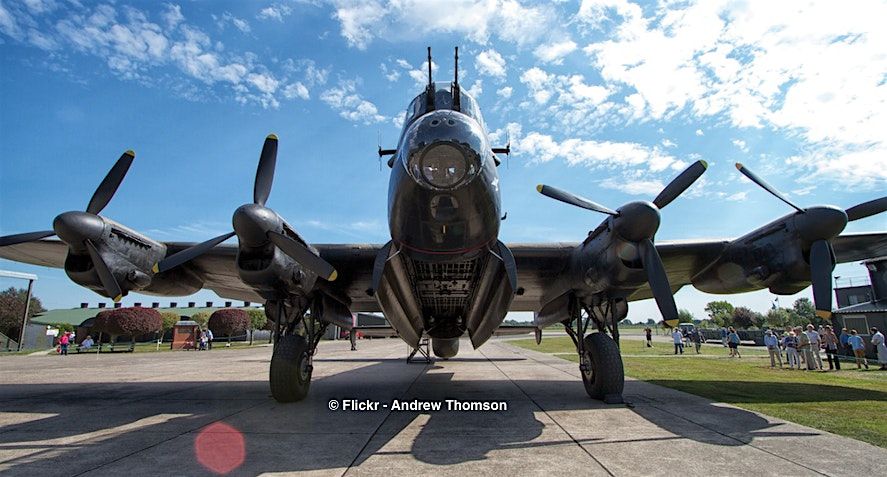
{"x":539,"y":188}
{"x":130,"y":153}
{"x":333,"y":276}
{"x":826,"y":315}
{"x":739,"y":165}
{"x":704,"y":164}
{"x":671,"y":323}
{"x":156,"y":268}
{"x":118,"y":298}
{"x":272,"y":136}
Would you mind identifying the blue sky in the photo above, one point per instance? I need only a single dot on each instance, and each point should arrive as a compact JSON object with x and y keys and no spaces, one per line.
{"x":607,"y":98}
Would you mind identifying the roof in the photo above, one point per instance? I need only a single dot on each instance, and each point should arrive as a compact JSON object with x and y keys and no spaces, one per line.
{"x":76,"y":316}
{"x":877,"y":306}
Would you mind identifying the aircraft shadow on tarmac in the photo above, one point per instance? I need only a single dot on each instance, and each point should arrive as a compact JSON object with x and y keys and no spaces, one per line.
{"x":155,"y":424}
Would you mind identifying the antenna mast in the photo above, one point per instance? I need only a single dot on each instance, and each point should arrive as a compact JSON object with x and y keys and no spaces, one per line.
{"x":457,"y":93}
{"x":429,"y":90}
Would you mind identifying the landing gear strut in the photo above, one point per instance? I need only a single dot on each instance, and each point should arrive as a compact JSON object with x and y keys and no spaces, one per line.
{"x":296,"y":335}
{"x":599,"y":360}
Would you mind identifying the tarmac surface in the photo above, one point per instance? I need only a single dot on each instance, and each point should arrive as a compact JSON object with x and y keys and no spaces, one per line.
{"x":206,"y":413}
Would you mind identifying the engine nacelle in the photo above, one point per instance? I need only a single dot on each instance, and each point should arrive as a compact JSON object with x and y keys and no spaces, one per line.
{"x":272,"y":273}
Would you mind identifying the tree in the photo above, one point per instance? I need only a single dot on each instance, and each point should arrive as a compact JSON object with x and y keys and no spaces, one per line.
{"x":778,"y":318}
{"x":684,"y":316}
{"x":62,"y":327}
{"x":12,"y":306}
{"x":170,"y":318}
{"x":257,"y":321}
{"x":228,"y":322}
{"x":133,"y":322}
{"x":202,"y":318}
{"x":651,"y":322}
{"x":720,"y":312}
{"x":746,"y":318}
{"x":804,"y":313}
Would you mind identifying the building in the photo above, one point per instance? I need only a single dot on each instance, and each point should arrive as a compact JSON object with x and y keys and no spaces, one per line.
{"x":872,"y":313}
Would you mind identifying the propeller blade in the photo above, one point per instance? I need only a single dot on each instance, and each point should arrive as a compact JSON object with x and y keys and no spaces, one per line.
{"x":867,"y":209}
{"x":821,"y":266}
{"x":680,"y":183}
{"x":265,"y":171}
{"x":189,"y":254}
{"x":25,"y":237}
{"x":303,"y":256}
{"x":571,"y":199}
{"x":757,"y":180}
{"x":105,"y":191}
{"x":658,"y":281}
{"x":109,"y":283}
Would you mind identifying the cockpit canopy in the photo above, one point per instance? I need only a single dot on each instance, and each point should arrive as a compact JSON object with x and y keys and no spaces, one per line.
{"x":443,"y":99}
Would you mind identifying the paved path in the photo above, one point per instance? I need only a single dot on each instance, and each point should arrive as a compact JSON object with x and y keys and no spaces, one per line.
{"x":156,"y":413}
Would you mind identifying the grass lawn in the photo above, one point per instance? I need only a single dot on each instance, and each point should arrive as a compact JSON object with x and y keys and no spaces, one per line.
{"x":850,"y":403}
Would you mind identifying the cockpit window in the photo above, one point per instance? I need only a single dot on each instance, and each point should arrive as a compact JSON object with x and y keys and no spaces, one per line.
{"x":443,"y":99}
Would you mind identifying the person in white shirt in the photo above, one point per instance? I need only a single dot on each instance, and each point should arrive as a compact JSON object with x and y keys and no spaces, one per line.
{"x":772,"y":344}
{"x":815,"y":345}
{"x":878,"y":342}
{"x":678,"y":338}
{"x":87,"y":343}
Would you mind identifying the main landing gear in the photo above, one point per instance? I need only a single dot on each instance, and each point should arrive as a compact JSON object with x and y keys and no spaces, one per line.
{"x":599,"y":360}
{"x":296,"y":335}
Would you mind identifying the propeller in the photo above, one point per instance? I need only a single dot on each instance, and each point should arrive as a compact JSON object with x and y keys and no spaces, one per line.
{"x":818,"y":225}
{"x":256,"y":225}
{"x":79,"y":230}
{"x":637,"y":222}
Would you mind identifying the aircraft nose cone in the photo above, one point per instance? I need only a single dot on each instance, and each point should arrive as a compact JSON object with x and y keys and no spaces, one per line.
{"x":821,"y":222}
{"x":252,"y":223}
{"x":75,"y":227}
{"x":637,"y":221}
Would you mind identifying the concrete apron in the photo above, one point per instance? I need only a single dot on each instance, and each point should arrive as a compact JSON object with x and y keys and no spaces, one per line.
{"x":160,"y":413}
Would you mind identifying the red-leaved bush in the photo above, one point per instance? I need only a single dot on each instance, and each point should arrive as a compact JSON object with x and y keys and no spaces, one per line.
{"x":228,"y":322}
{"x":128,"y":321}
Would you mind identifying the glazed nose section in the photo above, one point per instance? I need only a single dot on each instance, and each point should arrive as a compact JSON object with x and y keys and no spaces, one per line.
{"x":445,"y":150}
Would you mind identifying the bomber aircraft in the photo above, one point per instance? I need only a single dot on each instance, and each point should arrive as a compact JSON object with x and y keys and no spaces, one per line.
{"x":445,"y":273}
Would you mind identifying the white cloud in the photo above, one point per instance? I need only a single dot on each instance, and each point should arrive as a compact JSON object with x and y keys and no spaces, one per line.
{"x":362,"y":21}
{"x":490,"y":62}
{"x":227,"y":18}
{"x":389,"y":74}
{"x":740,"y":144}
{"x":699,"y":132}
{"x":476,"y":88}
{"x":274,"y":12}
{"x":505,"y":91}
{"x":668,"y":143}
{"x":737,"y":197}
{"x":555,"y":52}
{"x":633,"y":187}
{"x":172,"y":15}
{"x":350,"y":105}
{"x":296,"y":90}
{"x":420,"y":75}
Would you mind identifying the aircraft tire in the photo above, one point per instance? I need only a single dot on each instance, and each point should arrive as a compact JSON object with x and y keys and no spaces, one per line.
{"x":604,"y":377}
{"x":290,"y":374}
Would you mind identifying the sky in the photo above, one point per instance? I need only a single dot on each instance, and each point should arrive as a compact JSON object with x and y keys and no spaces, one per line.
{"x":609,"y":99}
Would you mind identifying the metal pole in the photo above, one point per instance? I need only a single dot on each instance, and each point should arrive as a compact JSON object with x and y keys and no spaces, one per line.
{"x":21,"y":336}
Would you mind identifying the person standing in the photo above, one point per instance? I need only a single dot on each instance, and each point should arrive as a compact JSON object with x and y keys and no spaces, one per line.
{"x":649,"y":334}
{"x":845,"y":346}
{"x":678,"y":339}
{"x":724,"y":336}
{"x":733,"y":343}
{"x":815,"y":345}
{"x":697,"y":339}
{"x":830,"y":341}
{"x":804,"y":349}
{"x":209,"y":339}
{"x":858,"y":346}
{"x":772,"y":344}
{"x":880,"y":347}
{"x":790,"y":343}
{"x":64,"y":341}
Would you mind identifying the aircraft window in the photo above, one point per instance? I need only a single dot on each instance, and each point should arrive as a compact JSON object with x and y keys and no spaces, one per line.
{"x":444,"y":166}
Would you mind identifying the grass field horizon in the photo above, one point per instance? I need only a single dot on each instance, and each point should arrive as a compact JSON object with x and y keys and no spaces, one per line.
{"x":850,"y":403}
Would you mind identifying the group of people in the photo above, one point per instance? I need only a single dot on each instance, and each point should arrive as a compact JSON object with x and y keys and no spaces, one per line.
{"x":681,"y":338}
{"x":205,"y":340}
{"x":66,"y":340}
{"x":805,"y":347}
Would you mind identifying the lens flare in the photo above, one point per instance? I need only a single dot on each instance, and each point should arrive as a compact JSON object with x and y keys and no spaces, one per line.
{"x":220,"y":448}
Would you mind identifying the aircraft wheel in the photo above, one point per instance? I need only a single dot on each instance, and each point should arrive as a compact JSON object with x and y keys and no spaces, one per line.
{"x":601,"y":367}
{"x":290,"y":374}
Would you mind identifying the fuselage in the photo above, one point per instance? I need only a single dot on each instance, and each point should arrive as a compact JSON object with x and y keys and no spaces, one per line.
{"x":444,"y":215}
